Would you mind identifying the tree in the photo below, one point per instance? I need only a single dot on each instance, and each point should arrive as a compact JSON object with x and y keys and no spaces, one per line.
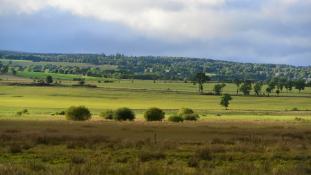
{"x":154,"y":114}
{"x":268,"y":90}
{"x":175,"y":118}
{"x":281,"y":84}
{"x":124,"y":114}
{"x":78,"y":113}
{"x":257,"y":88}
{"x":201,"y":78}
{"x":49,"y":79}
{"x":108,"y":114}
{"x":218,"y":88}
{"x":246,"y":88}
{"x":4,"y":69}
{"x":272,"y":85}
{"x":277,"y":92}
{"x":184,"y":111}
{"x":300,"y":85}
{"x":237,"y":82}
{"x":225,"y":100}
{"x":289,"y":85}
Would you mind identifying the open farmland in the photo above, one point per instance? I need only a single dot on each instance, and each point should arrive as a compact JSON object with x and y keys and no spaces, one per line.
{"x":257,"y":135}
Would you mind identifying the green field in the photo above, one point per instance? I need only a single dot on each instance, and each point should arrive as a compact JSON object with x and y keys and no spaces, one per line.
{"x":257,"y":135}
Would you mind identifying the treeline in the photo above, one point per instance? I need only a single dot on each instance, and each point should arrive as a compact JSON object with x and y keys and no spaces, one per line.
{"x":150,"y":67}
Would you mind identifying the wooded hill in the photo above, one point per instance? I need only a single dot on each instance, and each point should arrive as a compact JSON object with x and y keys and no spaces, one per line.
{"x":151,"y":67}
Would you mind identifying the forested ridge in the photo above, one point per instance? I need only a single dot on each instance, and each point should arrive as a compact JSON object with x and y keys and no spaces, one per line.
{"x":153,"y":67}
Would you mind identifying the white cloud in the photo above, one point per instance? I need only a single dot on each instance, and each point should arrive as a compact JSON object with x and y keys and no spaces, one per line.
{"x":174,"y":19}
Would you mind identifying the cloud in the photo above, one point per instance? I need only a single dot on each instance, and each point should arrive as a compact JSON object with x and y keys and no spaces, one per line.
{"x":219,"y":28}
{"x":176,"y":19}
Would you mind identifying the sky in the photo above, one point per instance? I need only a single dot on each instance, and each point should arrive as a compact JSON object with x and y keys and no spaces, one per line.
{"x":259,"y":31}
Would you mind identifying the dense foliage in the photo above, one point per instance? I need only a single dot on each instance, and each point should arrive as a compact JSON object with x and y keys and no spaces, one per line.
{"x":154,"y":114}
{"x":78,"y":113}
{"x":124,"y":114}
{"x":150,"y":67}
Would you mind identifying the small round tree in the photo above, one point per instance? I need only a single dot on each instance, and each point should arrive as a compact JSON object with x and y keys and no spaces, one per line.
{"x":124,"y":114}
{"x":108,"y":114}
{"x":49,"y":79}
{"x":176,"y":118}
{"x":154,"y":114}
{"x":191,"y":117}
{"x":78,"y":113}
{"x":184,"y":111}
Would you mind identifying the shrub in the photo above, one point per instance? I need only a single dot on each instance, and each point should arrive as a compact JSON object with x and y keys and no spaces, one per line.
{"x":108,"y":114}
{"x":154,"y":114}
{"x":78,"y":113}
{"x":60,"y":113}
{"x":191,"y":117}
{"x":183,"y":111}
{"x":20,"y":113}
{"x":175,"y":118}
{"x":124,"y":114}
{"x":295,"y":109}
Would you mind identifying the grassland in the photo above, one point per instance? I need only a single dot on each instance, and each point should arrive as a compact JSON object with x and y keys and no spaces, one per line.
{"x":257,"y":135}
{"x":101,"y":147}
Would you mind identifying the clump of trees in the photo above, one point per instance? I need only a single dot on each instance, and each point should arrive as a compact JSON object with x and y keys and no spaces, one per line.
{"x":78,"y":113}
{"x":154,"y":114}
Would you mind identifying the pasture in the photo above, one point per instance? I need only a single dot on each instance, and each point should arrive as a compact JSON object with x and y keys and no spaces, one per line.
{"x":257,"y":135}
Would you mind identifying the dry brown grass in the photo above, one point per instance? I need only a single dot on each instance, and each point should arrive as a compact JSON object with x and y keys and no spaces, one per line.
{"x":108,"y":147}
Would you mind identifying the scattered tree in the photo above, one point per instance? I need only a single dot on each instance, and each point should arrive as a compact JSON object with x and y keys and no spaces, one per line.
{"x":278,"y":92}
{"x":268,"y":90}
{"x":257,"y":88}
{"x":49,"y":79}
{"x":246,"y":88}
{"x":154,"y":114}
{"x":124,"y":114}
{"x":237,"y":82}
{"x":201,"y":78}
{"x":218,"y":88}
{"x":78,"y":113}
{"x":184,"y":111}
{"x":191,"y":117}
{"x":108,"y":114}
{"x":300,"y":85}
{"x":176,"y":118}
{"x":225,"y":100}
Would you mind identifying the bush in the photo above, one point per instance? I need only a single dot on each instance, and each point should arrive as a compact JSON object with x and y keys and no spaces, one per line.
{"x":108,"y":114}
{"x":154,"y":114}
{"x":295,"y":109}
{"x":60,"y":113}
{"x":175,"y":118}
{"x":124,"y":114}
{"x":183,"y":111}
{"x":20,"y":113}
{"x":78,"y":113}
{"x":191,"y":117}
